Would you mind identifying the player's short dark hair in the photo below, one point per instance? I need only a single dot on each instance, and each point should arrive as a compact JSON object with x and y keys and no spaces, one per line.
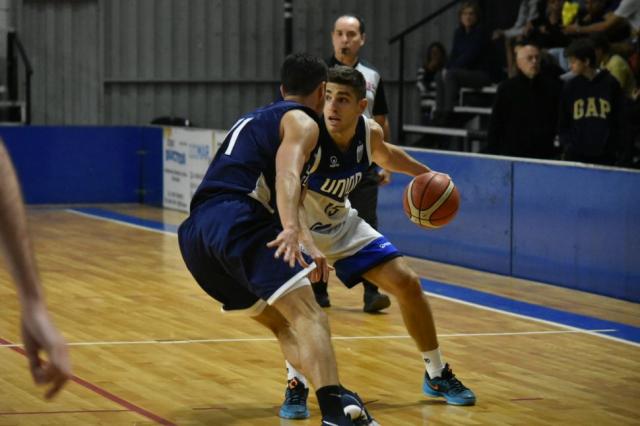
{"x":301,"y":73}
{"x":349,"y":77}
{"x":356,"y":17}
{"x":583,"y":49}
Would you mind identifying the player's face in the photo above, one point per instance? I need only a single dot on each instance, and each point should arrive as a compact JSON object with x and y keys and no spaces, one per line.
{"x":346,"y":37}
{"x":341,"y":107}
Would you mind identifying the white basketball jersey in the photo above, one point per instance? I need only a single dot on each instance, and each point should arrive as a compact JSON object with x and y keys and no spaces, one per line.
{"x":336,"y":228}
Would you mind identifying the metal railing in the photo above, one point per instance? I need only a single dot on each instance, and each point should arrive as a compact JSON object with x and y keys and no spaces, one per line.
{"x":15,"y":49}
{"x":400,"y":38}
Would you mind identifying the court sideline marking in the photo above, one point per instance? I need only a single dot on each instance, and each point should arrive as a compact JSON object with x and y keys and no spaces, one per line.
{"x":624,"y":333}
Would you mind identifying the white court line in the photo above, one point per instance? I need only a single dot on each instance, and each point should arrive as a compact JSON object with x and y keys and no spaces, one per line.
{"x":556,"y":324}
{"x":273,"y":339}
{"x":121,"y":222}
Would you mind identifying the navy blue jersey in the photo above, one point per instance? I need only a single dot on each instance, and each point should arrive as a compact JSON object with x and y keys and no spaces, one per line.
{"x":245,"y":162}
{"x":336,"y":174}
{"x":339,"y":172}
{"x":351,"y":245}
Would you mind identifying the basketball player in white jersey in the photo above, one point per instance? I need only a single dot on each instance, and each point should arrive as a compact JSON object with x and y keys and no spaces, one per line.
{"x":349,"y":143}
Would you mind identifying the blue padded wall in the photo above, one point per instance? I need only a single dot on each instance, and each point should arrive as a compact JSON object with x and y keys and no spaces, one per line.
{"x":480,"y":235}
{"x":151,"y":175}
{"x":578,"y":227}
{"x":574,"y":226}
{"x":86,"y":164}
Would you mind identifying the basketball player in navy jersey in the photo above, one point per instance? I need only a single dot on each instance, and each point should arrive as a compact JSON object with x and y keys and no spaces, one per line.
{"x":245,"y":213}
{"x":349,"y":143}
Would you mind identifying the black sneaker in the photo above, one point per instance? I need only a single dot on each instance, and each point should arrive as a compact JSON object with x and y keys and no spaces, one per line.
{"x":448,"y":387}
{"x":321,"y":294}
{"x":295,"y":401}
{"x":354,"y":409}
{"x":330,"y":421}
{"x":374,"y":301}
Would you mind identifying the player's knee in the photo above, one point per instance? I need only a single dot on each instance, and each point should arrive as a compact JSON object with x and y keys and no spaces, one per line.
{"x":309,"y":315}
{"x":408,"y":286}
{"x":273,"y":320}
{"x":319,"y":316}
{"x":316,"y":324}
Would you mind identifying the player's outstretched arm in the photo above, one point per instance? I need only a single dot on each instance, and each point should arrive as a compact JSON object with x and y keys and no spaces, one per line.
{"x":391,"y":157}
{"x":299,"y":135}
{"x":38,"y":331}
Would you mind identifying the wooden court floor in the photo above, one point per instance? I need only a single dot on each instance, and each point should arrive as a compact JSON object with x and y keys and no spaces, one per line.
{"x":149,"y":347}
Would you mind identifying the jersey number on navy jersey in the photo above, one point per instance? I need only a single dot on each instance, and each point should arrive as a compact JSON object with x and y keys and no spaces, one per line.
{"x":235,"y":132}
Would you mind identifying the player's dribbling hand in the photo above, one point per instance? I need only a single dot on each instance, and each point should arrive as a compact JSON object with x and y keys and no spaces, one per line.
{"x":39,"y":334}
{"x":321,"y":272}
{"x":287,"y":245}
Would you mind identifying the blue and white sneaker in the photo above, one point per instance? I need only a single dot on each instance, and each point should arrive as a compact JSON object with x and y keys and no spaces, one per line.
{"x":448,"y":387}
{"x":295,"y":401}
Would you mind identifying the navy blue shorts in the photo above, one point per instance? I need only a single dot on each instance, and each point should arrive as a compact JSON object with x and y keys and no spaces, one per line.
{"x":350,"y":269}
{"x":224,"y":245}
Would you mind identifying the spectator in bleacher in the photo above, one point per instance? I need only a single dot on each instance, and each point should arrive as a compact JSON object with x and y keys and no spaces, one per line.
{"x":525,"y":112}
{"x":593,"y":11}
{"x":547,"y":30}
{"x":627,"y":12}
{"x":591,"y":123}
{"x":467,"y":65}
{"x":434,"y":61}
{"x":626,"y":15}
{"x":615,"y":64}
{"x":528,"y":11}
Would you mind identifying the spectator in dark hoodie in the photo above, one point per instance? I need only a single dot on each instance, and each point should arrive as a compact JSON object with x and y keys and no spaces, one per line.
{"x":591,"y":123}
{"x":468,"y":63}
{"x":525,"y":113}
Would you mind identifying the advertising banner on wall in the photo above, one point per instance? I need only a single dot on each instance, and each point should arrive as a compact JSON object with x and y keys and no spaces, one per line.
{"x":186,"y":156}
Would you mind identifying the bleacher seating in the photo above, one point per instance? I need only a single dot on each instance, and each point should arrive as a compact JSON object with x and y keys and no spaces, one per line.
{"x":471,"y":121}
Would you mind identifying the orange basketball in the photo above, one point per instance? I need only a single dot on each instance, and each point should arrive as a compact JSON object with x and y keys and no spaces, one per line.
{"x":431,"y":200}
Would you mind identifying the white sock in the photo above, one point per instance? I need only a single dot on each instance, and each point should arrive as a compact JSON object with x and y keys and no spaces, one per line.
{"x":292,"y":372}
{"x":433,"y":362}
